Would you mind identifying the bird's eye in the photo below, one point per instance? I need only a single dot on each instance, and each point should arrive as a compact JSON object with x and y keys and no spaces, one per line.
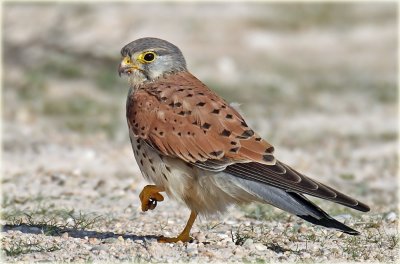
{"x":149,"y":56}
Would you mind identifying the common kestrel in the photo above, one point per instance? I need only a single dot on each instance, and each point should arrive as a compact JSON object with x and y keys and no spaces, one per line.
{"x":194,"y":146}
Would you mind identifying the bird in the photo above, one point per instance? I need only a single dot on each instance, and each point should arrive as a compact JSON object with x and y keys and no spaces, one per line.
{"x":194,"y":146}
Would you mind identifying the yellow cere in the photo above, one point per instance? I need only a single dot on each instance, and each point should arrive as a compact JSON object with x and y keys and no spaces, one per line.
{"x":126,"y":60}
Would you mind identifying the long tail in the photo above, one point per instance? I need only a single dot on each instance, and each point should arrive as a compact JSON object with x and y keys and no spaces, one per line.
{"x":322,"y":219}
{"x":293,"y":203}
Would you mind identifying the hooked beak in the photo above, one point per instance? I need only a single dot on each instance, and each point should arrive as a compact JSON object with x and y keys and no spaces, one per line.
{"x":127,"y":66}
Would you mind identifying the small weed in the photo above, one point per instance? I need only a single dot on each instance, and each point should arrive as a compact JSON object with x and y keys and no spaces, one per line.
{"x":393,"y":241}
{"x":51,"y":221}
{"x":240,"y":236}
{"x":19,"y":247}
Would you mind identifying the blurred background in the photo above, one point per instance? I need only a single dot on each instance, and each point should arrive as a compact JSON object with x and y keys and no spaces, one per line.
{"x":317,"y":80}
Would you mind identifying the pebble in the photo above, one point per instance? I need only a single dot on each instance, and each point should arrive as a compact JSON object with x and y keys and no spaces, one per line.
{"x":260,"y":247}
{"x":248,"y":243}
{"x":110,"y":240}
{"x":302,"y":229}
{"x":199,"y":236}
{"x":65,"y":235}
{"x":93,"y":240}
{"x":391,"y":217}
{"x":239,"y":252}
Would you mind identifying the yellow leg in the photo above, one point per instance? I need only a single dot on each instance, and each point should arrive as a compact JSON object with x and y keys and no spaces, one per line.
{"x":149,"y":197}
{"x":185,"y":235}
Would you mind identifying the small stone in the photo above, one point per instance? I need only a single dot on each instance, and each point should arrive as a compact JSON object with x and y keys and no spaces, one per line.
{"x":230,"y":244}
{"x":93,"y":240}
{"x":199,"y":236}
{"x":191,"y":246}
{"x":65,"y":235}
{"x":208,"y":254}
{"x":120,"y":238}
{"x":248,"y":243}
{"x":260,"y":247}
{"x":70,"y":221}
{"x":192,"y":251}
{"x":239,"y":252}
{"x":110,"y":240}
{"x":339,"y":234}
{"x":302,"y":229}
{"x":391,"y":217}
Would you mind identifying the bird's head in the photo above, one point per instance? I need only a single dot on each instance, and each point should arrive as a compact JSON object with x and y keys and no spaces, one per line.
{"x":146,"y":59}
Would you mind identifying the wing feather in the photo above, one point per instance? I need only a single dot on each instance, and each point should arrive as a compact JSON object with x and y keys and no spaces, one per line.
{"x":191,"y":122}
{"x":291,"y":181}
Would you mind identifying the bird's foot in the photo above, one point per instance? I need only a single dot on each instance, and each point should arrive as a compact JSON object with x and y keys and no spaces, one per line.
{"x":185,"y":235}
{"x":183,"y":238}
{"x":149,"y":197}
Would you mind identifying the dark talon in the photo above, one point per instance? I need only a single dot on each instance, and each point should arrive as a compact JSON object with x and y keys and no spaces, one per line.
{"x":152,"y":203}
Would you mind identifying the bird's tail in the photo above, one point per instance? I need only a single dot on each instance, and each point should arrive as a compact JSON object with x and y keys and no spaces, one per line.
{"x":322,"y":219}
{"x":293,"y":203}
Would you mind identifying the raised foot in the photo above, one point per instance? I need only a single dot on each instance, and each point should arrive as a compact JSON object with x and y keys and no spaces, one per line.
{"x":149,"y":197}
{"x":184,"y":239}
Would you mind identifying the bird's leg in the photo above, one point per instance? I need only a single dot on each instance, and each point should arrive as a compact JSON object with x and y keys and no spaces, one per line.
{"x":185,"y":235}
{"x":149,"y":197}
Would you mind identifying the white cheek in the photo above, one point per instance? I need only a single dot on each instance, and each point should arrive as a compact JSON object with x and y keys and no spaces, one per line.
{"x":155,"y":74}
{"x":136,"y":78}
{"x":160,"y":66}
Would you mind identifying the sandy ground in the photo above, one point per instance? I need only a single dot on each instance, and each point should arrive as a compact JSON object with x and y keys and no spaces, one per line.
{"x":316,"y":80}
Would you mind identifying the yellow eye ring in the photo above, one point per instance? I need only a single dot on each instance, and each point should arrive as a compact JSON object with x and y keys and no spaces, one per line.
{"x":147,"y":56}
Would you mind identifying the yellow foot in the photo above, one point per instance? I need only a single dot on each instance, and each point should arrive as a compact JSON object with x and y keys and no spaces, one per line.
{"x":149,"y":197}
{"x":184,"y":239}
{"x":184,"y":236}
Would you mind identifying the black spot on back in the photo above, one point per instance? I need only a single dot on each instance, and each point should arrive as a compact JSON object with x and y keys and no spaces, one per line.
{"x":268,"y":158}
{"x":270,"y":150}
{"x":216,"y":153}
{"x":234,"y":150}
{"x":206,"y":126}
{"x":246,"y":134}
{"x":226,"y":133}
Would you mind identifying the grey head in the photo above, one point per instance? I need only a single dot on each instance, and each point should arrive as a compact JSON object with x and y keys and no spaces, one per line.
{"x":146,"y":59}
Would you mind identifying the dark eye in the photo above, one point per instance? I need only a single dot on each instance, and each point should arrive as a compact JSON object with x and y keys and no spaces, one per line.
{"x":149,"y":56}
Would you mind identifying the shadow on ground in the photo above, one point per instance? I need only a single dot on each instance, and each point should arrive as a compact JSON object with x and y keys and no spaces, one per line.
{"x":51,"y":230}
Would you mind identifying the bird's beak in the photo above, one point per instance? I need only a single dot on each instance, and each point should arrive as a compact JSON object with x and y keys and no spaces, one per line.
{"x":127,"y":66}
